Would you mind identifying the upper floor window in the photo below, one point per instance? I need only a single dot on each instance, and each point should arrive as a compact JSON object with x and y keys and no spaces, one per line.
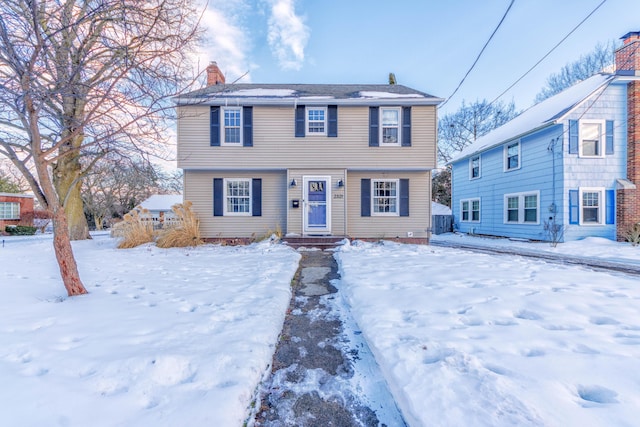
{"x":9,"y":210}
{"x":316,"y":121}
{"x":512,"y":156}
{"x":474,"y":167}
{"x":385,"y":196}
{"x":232,"y":125}
{"x":591,"y":138}
{"x":390,"y":126}
{"x":470,"y":210}
{"x":522,"y":208}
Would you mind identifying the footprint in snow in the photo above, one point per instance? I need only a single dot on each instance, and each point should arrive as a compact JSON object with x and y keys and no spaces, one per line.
{"x":596,"y":394}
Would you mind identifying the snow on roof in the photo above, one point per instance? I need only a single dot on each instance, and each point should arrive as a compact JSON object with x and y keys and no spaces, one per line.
{"x":161,"y":202}
{"x":539,"y":116}
{"x":262,"y":92}
{"x":374,"y":94}
{"x":439,"y":209}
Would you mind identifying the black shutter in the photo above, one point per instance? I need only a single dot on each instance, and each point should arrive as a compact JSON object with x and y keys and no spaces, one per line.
{"x":333,"y":120}
{"x":406,"y":127}
{"x":247,"y":126}
{"x":609,"y":138}
{"x":365,"y":197}
{"x":300,"y":110}
{"x":404,"y":197}
{"x":573,"y":137}
{"x":256,"y":197}
{"x":374,"y":130}
{"x":218,"y":195}
{"x":215,"y":127}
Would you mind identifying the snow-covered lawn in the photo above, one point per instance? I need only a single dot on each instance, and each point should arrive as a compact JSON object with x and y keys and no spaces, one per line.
{"x":177,"y":337}
{"x":488,"y":340}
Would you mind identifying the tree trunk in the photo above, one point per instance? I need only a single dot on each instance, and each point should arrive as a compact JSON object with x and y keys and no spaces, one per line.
{"x":98,"y":220}
{"x":68,"y":186}
{"x":64,"y":254}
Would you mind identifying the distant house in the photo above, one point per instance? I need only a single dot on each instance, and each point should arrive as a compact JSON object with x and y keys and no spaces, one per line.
{"x":571,"y":161}
{"x":308,"y":159}
{"x":159,"y":207}
{"x":15,"y":209}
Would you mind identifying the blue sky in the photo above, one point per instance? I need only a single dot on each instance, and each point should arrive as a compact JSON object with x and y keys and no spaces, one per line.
{"x":428,"y":44}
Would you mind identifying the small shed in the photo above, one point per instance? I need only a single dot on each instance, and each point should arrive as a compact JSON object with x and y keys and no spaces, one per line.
{"x":441,"y":218}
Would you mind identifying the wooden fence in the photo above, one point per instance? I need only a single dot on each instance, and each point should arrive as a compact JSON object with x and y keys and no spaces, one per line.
{"x":442,"y":223}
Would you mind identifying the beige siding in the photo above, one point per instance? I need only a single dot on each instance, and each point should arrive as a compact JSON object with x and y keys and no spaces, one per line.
{"x":198,"y":188}
{"x":276,"y":147}
{"x":418,"y":222}
{"x":337,"y":196}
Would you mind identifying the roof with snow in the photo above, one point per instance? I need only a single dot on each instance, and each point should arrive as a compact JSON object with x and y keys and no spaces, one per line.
{"x":308,"y":94}
{"x":161,"y":202}
{"x":541,"y":115}
{"x":439,"y":209}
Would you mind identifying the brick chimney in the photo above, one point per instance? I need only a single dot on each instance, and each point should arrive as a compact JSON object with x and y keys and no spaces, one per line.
{"x":214,"y":75}
{"x":628,"y":199}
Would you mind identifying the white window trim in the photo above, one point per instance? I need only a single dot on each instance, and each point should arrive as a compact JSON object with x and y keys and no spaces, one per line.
{"x":505,"y":160}
{"x":225,"y":195}
{"x":601,"y":207}
{"x":12,"y":204}
{"x":471,"y":210}
{"x":521,"y":208}
{"x":601,"y":141}
{"x":471,"y":177}
{"x":223,"y":128}
{"x":373,"y":197}
{"x":307,"y":121}
{"x":399,"y":142}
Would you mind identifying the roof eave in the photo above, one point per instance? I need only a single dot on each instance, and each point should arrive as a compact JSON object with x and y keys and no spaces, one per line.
{"x":403,"y":101}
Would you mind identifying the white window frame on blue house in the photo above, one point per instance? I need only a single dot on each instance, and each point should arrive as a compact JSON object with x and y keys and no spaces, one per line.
{"x":381,"y":201}
{"x":316,"y":121}
{"x":601,"y":205}
{"x":232,"y":198}
{"x":228,"y":126}
{"x":390,"y":126}
{"x":507,"y":156}
{"x":521,"y":207}
{"x":469,"y":210}
{"x":583,"y":135}
{"x":472,"y":167}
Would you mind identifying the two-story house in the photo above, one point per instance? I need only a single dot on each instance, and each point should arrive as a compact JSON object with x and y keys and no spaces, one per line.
{"x":308,"y":159}
{"x":571,"y":161}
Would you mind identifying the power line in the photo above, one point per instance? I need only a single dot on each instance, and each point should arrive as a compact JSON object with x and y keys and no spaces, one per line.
{"x":480,"y":54}
{"x":549,"y":52}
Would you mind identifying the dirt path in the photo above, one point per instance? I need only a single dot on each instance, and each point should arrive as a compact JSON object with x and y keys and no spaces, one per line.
{"x":323,"y":373}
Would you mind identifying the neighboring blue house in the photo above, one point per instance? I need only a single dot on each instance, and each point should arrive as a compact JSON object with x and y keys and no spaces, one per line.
{"x":569,"y":160}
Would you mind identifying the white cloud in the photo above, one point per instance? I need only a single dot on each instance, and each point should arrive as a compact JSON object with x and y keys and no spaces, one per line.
{"x":288,"y":35}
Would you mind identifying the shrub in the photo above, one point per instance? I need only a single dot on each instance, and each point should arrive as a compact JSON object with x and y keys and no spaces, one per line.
{"x":20,"y":230}
{"x":183,"y":231}
{"x":135,"y":230}
{"x":633,"y":235}
{"x":275,"y":234}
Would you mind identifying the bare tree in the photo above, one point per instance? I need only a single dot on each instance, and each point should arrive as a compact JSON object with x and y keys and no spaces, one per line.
{"x":80,"y":79}
{"x":598,"y":60}
{"x":460,"y":129}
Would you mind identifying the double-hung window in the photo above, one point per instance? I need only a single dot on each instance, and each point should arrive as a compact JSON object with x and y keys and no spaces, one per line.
{"x":512,"y":156}
{"x":591,"y":137}
{"x":390,"y":126}
{"x":385,"y":196}
{"x":9,"y":210}
{"x":237,"y":198}
{"x":591,"y":206}
{"x":316,"y":121}
{"x":522,"y":208}
{"x":232,"y":129}
{"x":470,"y":210}
{"x":474,"y":167}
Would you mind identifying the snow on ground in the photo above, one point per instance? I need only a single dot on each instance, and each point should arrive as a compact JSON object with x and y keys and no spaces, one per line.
{"x":166,"y":337}
{"x":490,"y":340}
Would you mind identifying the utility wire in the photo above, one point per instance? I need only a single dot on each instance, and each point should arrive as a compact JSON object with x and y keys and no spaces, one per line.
{"x":548,"y":53}
{"x":480,"y":54}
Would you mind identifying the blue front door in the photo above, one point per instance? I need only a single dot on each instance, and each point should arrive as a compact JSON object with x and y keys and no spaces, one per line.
{"x":317,"y":204}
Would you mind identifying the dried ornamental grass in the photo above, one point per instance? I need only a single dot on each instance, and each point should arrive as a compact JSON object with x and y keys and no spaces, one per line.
{"x":136,"y":230}
{"x":183,"y":232}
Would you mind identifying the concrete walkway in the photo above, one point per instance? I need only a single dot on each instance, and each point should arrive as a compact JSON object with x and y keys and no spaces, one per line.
{"x":323,"y":373}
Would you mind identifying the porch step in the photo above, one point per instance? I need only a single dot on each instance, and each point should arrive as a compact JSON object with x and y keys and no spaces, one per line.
{"x":320,"y":242}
